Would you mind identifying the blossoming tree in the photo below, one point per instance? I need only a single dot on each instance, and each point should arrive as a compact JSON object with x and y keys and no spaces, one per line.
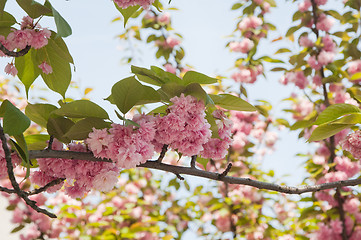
{"x":70,"y":171}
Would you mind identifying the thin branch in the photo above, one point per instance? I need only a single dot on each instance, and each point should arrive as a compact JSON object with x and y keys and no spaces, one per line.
{"x":162,"y":153}
{"x":14,"y":183}
{"x":341,"y":211}
{"x":7,"y":190}
{"x":179,"y":176}
{"x":153,"y":164}
{"x":50,"y":144}
{"x":43,"y":189}
{"x":225,"y":172}
{"x":193,"y":161}
{"x":47,"y":153}
{"x":9,"y":53}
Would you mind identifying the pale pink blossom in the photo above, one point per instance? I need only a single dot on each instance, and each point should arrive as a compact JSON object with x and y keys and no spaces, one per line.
{"x":324,"y":23}
{"x":223,"y":223}
{"x":352,"y":143}
{"x":46,"y":68}
{"x":325,"y":58}
{"x":305,"y":41}
{"x":352,"y":205}
{"x":314,"y":63}
{"x":20,"y":39}
{"x":251,"y":22}
{"x":11,"y":69}
{"x":164,"y":18}
{"x":346,"y":165}
{"x":244,"y":46}
{"x":105,"y":180}
{"x":169,"y":68}
{"x":321,"y":2}
{"x":127,"y":3}
{"x":304,"y":6}
{"x":328,"y":44}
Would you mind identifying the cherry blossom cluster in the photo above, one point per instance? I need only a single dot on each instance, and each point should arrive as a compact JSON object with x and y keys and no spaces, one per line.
{"x":29,"y":34}
{"x":81,"y":176}
{"x":251,"y":28}
{"x":184,"y":129}
{"x":128,"y":3}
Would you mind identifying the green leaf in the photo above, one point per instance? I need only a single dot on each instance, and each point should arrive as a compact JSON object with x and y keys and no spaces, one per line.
{"x":196,"y":90}
{"x":149,"y":96}
{"x":22,"y":149}
{"x":203,"y":161}
{"x":18,"y":228}
{"x":353,"y":118}
{"x":128,"y":12}
{"x":196,"y":77}
{"x":212,"y":122}
{"x":34,"y":9}
{"x":2,"y":6}
{"x":292,"y":30}
{"x":161,"y":109}
{"x":172,"y":90}
{"x":81,"y":129}
{"x":28,"y":69}
{"x":325,"y":131}
{"x":59,"y":79}
{"x":147,"y":76}
{"x":58,"y":127}
{"x":335,"y":111}
{"x":356,"y":76}
{"x":15,"y":121}
{"x":6,"y":19}
{"x":126,"y":93}
{"x":60,"y":47}
{"x":81,"y":109}
{"x":39,"y":113}
{"x":282,"y":50}
{"x":37,"y":141}
{"x":231,"y":102}
{"x":64,"y":29}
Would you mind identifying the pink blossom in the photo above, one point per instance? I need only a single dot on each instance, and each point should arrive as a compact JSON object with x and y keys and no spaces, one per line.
{"x":169,"y":68}
{"x":98,"y":142}
{"x":27,"y":22}
{"x":105,"y":180}
{"x":317,"y":80}
{"x":127,"y":3}
{"x":304,"y":6}
{"x":352,"y":143}
{"x":244,"y":46}
{"x":325,"y":58}
{"x":223,"y":223}
{"x":40,"y":38}
{"x":354,"y":67}
{"x":305,"y":41}
{"x":11,"y":69}
{"x":164,"y":18}
{"x":352,"y":205}
{"x":324,"y":23}
{"x":20,"y":38}
{"x":319,"y":160}
{"x":251,"y":22}
{"x":46,"y":68}
{"x":171,"y":42}
{"x":328,"y":44}
{"x":344,"y":164}
{"x":302,"y":108}
{"x":313,"y":63}
{"x":356,"y":235}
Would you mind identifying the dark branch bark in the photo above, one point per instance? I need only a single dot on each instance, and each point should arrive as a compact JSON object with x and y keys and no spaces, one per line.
{"x":43,"y":189}
{"x":20,"y":53}
{"x":162,"y":154}
{"x":14,"y":183}
{"x":177,"y":170}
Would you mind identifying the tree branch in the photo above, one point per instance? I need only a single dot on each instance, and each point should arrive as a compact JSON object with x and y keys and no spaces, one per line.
{"x":14,"y":183}
{"x":177,"y":170}
{"x":9,"y":53}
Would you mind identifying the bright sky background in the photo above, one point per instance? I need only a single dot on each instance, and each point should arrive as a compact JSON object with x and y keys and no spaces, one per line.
{"x":204,"y":25}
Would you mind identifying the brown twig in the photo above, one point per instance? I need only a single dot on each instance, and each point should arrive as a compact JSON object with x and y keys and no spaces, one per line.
{"x":225,"y":172}
{"x":193,"y":161}
{"x":162,"y":153}
{"x":9,"y":53}
{"x":153,"y":164}
{"x":341,"y":211}
{"x":43,"y":189}
{"x":14,"y":183}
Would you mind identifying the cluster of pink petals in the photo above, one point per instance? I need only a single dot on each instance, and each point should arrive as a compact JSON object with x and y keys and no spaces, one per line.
{"x":169,"y":42}
{"x":11,"y":69}
{"x":244,"y":46}
{"x":354,"y":67}
{"x":248,"y":23}
{"x":164,"y":18}
{"x":81,"y":176}
{"x":125,"y":145}
{"x":323,"y":59}
{"x":352,"y":143}
{"x":127,"y":3}
{"x":305,"y":41}
{"x":247,"y":74}
{"x":31,"y":35}
{"x":302,"y":108}
{"x":217,"y":148}
{"x":304,"y":6}
{"x":324,"y":23}
{"x":169,"y":68}
{"x":46,"y":68}
{"x":3,"y":168}
{"x":298,"y":78}
{"x":185,"y":127}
